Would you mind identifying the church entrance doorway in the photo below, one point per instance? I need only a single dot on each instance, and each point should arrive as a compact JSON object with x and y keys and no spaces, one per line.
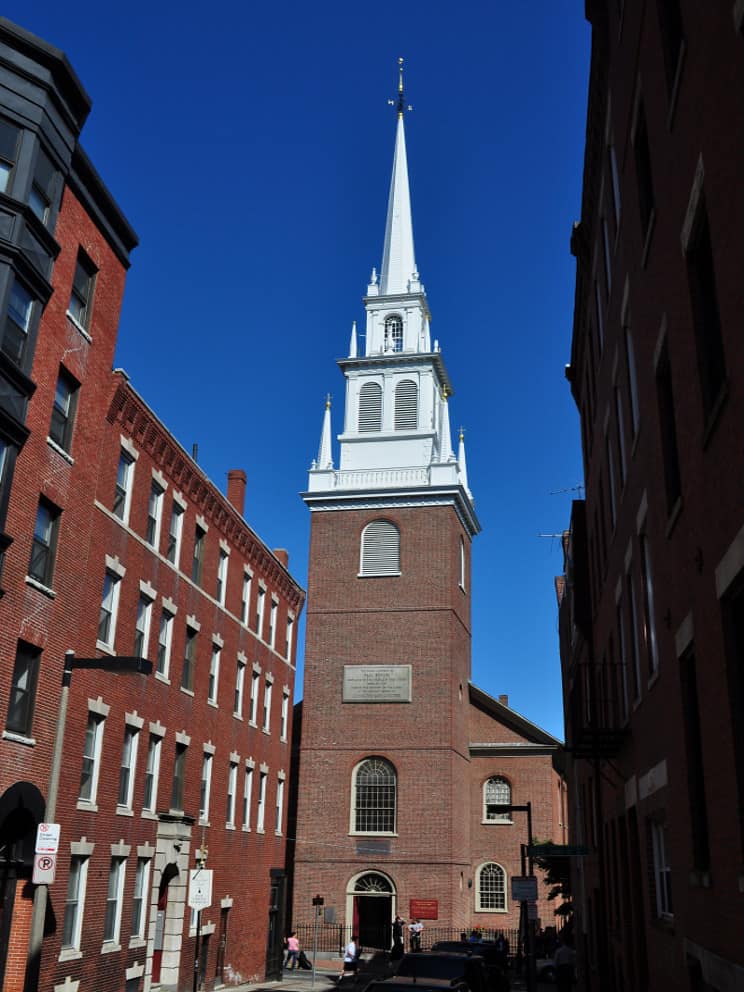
{"x":371,"y":896}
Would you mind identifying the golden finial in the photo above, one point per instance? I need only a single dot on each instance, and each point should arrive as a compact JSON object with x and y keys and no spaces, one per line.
{"x":400,"y":81}
{"x":445,"y":394}
{"x":462,"y":433}
{"x":402,"y":106}
{"x":328,"y":401}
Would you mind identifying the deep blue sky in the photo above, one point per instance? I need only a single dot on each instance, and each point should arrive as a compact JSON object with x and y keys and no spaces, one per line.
{"x":250,"y":146}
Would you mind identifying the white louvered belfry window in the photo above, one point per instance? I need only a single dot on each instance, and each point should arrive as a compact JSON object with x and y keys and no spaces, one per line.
{"x":370,"y":407}
{"x":406,"y":405}
{"x":380,"y":549}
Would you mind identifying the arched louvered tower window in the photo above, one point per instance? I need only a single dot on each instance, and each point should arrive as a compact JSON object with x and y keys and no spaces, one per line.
{"x":374,"y":797}
{"x":406,"y":405}
{"x":380,"y":553}
{"x":496,"y":792}
{"x":370,"y":407}
{"x":394,"y":332}
{"x":491,"y":890}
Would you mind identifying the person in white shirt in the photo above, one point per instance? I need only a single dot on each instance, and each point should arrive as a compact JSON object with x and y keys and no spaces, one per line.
{"x":351,"y":954}
{"x":414,"y":928}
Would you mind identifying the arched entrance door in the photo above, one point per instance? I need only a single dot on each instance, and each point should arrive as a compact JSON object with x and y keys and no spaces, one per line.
{"x":169,"y":873}
{"x":371,"y":895}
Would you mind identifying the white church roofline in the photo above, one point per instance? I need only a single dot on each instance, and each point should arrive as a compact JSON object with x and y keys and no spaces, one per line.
{"x":402,"y":359}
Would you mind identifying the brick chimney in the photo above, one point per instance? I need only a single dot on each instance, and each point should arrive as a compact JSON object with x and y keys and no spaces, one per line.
{"x":283,"y":555}
{"x":504,"y":700}
{"x":236,"y":480}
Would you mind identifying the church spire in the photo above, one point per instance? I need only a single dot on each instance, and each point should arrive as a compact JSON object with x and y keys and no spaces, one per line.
{"x":398,"y":261}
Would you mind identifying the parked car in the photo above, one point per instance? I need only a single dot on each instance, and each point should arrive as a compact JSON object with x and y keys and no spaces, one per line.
{"x":545,"y":970}
{"x":495,"y":957}
{"x":406,"y":984}
{"x":464,"y":965}
{"x":374,"y":968}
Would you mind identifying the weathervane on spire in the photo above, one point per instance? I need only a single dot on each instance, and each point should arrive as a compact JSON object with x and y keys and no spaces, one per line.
{"x":402,"y":106}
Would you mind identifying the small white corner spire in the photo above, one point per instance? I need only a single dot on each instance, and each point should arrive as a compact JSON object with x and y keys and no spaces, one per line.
{"x":398,"y":261}
{"x":353,"y":342}
{"x":462,"y":466}
{"x":445,"y":438}
{"x":325,"y":457}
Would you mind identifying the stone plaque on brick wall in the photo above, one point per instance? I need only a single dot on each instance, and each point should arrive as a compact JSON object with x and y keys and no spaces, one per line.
{"x":377,"y":684}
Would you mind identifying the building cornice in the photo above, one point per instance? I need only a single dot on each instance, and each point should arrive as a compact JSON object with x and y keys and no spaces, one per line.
{"x":511,"y":749}
{"x":399,"y":359}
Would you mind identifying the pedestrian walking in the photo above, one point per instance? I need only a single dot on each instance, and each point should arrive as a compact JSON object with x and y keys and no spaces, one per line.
{"x":293,"y":951}
{"x":414,"y":929}
{"x":398,"y":949}
{"x":351,"y":954}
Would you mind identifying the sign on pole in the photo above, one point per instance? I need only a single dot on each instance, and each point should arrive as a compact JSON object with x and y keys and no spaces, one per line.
{"x":45,"y":866}
{"x":524,"y":888}
{"x":47,"y":838}
{"x":200,"y":888}
{"x":557,"y":851}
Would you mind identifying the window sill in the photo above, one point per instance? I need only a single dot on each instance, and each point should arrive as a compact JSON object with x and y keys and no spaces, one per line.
{"x":378,"y":575}
{"x":110,"y":947}
{"x":78,"y":326}
{"x":149,"y":814}
{"x":260,"y":830}
{"x":246,"y":828}
{"x":238,"y":716}
{"x":70,"y":954}
{"x":498,"y":823}
{"x":229,"y":826}
{"x":252,"y":723}
{"x":11,"y":735}
{"x":106,"y":648}
{"x":162,"y":678}
{"x":213,"y":703}
{"x":492,"y":910}
{"x":370,"y":833}
{"x":60,"y":451}
{"x":204,"y":822}
{"x":187,"y":692}
{"x":265,"y":730}
{"x":40,"y":587}
{"x":86,"y":806}
{"x":124,"y":811}
{"x":137,"y":942}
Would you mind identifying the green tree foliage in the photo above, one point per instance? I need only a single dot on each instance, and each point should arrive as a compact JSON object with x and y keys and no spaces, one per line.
{"x":558,"y":879}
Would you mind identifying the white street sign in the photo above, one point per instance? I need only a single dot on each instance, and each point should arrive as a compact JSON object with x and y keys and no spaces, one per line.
{"x":200,"y":888}
{"x":44,"y":868}
{"x":47,"y":838}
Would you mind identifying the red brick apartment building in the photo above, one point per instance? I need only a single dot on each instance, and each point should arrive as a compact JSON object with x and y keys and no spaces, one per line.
{"x":116,"y":545}
{"x":403,"y":762}
{"x":652,"y":605}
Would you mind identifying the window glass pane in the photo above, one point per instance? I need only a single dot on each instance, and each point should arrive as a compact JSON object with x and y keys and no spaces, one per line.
{"x":8,"y":141}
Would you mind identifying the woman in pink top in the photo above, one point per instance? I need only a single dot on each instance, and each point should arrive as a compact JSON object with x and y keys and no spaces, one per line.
{"x":293,"y":951}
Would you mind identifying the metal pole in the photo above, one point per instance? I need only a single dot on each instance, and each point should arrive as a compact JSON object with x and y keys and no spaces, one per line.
{"x":196,"y":953}
{"x":531,"y":964}
{"x":315,"y":942}
{"x":41,"y":894}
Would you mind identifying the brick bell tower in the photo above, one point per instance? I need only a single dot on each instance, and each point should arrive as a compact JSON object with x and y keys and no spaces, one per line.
{"x":383,"y":824}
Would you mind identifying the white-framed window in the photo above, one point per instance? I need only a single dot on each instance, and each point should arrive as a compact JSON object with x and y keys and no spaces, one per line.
{"x":197,"y":563}
{"x":273,"y":610}
{"x":189,"y":659}
{"x":20,"y":310}
{"x":142,"y":626}
{"x":370,"y":407}
{"x":261,"y":808}
{"x":462,"y":564}
{"x":659,"y":838}
{"x":246,"y":596}
{"x":289,"y":636}
{"x":72,"y":924}
{"x":109,"y":609}
{"x":380,"y":549}
{"x":279,"y":805}
{"x":152,"y":772}
{"x":490,"y":888}
{"x":222,"y":564}
{"x":154,"y":514}
{"x":63,"y":410}
{"x":114,"y":893}
{"x":255,"y":683}
{"x":285,"y":714}
{"x":123,"y":488}
{"x":393,"y":333}
{"x":239,"y":685}
{"x":205,"y":786}
{"x":175,"y":534}
{"x":374,"y":797}
{"x":247,"y":796}
{"x":81,"y":296}
{"x":165,"y":643}
{"x":44,"y":543}
{"x":267,"y":704}
{"x":128,"y":766}
{"x":406,"y":405}
{"x":649,"y":619}
{"x":214,"y":674}
{"x":179,"y":775}
{"x":496,"y":792}
{"x":260,"y":608}
{"x":139,"y":901}
{"x":91,"y":757}
{"x":232,"y":788}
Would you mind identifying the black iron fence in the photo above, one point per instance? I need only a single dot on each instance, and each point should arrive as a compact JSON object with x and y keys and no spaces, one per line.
{"x":332,"y":938}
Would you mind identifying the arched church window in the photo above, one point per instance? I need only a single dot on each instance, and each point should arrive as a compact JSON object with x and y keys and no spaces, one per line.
{"x":380,"y":552}
{"x":393,"y":333}
{"x":406,"y":405}
{"x":373,"y":882}
{"x":496,"y":792}
{"x":374,"y":791}
{"x":491,"y":888}
{"x":370,"y":407}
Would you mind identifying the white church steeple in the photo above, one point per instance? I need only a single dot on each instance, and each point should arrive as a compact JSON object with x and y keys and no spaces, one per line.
{"x":396,"y":434}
